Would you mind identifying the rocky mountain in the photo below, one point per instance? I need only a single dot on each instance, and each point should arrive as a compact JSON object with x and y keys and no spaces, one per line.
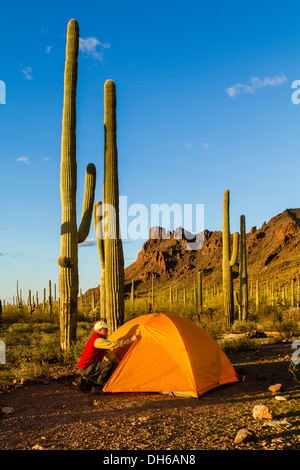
{"x":273,"y":254}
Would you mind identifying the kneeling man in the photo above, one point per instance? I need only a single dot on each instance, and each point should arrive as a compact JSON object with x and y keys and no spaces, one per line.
{"x":93,"y":370}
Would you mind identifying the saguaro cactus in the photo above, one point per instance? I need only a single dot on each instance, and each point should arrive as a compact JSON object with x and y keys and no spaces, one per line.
{"x":199,"y":294}
{"x":228,"y":262}
{"x":257,"y":296}
{"x":243,"y":272}
{"x":50,"y":299}
{"x":70,"y":236}
{"x":113,"y":249}
{"x":98,"y":216}
{"x":132,"y":293}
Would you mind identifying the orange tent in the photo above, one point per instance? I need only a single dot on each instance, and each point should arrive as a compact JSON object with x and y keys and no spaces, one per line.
{"x":171,"y":355}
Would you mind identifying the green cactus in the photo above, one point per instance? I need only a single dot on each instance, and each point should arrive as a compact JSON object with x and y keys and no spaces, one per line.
{"x":50,"y":298}
{"x":18,"y":296}
{"x":98,"y":216}
{"x":70,"y":236}
{"x":243,"y":272}
{"x":93,"y":302}
{"x":132,"y":293}
{"x":272,"y":294}
{"x":292,"y":294}
{"x":199,"y":294}
{"x":237,"y":302}
{"x":228,"y":263}
{"x":113,"y":248}
{"x":152,"y":291}
{"x":257,"y":297}
{"x":29,"y":303}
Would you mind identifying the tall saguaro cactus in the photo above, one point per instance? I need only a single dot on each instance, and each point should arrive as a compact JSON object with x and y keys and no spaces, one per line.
{"x":227,"y":262}
{"x":98,"y":217}
{"x":113,"y":249}
{"x":243,"y":272}
{"x":70,"y":236}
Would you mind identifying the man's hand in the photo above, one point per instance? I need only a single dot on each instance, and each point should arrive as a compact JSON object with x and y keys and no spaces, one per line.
{"x":133,"y":338}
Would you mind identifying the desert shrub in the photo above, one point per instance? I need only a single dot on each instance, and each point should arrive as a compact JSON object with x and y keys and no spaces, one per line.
{"x":239,"y":344}
{"x":242,"y":326}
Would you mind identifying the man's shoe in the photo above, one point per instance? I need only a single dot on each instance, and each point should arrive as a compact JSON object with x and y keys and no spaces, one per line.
{"x":80,"y":384}
{"x":97,"y":390}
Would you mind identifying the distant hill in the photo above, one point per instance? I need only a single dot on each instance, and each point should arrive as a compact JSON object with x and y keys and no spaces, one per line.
{"x":273,"y":254}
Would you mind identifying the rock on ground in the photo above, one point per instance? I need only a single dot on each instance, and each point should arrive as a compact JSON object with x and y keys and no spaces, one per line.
{"x":262,"y":412}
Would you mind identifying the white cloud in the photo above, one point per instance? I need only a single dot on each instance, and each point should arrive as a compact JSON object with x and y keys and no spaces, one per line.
{"x":46,"y":159}
{"x":27,"y":71}
{"x":23,"y":159}
{"x":254,"y":84}
{"x":88,"y":46}
{"x":188,"y":145}
{"x":89,"y":242}
{"x":206,"y":145}
{"x":48,"y":49}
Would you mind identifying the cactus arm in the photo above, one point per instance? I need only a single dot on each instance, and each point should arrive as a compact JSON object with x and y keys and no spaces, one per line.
{"x":98,"y":230}
{"x":100,"y":244}
{"x":226,"y":229}
{"x":88,"y":201}
{"x":235,"y":249}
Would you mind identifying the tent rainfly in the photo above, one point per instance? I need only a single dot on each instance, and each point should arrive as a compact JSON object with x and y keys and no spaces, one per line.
{"x":171,"y":355}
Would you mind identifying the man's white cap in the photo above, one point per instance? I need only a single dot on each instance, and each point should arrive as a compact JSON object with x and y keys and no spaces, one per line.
{"x":100,"y":324}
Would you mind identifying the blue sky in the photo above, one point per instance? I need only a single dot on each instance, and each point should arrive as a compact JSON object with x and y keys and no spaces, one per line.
{"x":204,"y":104}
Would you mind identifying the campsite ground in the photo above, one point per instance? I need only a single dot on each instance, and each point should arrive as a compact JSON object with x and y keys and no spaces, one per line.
{"x":51,"y":415}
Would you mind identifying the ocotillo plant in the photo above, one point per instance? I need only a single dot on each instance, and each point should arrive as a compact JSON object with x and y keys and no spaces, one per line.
{"x":228,"y":262}
{"x":70,"y":236}
{"x":113,"y":249}
{"x":243,"y":272}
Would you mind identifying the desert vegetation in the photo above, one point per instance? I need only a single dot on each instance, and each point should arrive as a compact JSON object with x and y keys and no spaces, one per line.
{"x":32,"y":332}
{"x":243,"y":307}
